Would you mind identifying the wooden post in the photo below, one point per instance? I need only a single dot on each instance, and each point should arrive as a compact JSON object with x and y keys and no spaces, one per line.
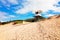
{"x":0,"y":23}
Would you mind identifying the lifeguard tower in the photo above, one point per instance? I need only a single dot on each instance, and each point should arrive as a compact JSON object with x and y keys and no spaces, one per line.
{"x":38,"y":15}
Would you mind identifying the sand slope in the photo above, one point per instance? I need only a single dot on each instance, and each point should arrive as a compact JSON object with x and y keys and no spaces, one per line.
{"x":48,"y":29}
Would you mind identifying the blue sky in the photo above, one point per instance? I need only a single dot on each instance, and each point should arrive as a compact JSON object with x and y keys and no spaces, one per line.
{"x":24,"y":9}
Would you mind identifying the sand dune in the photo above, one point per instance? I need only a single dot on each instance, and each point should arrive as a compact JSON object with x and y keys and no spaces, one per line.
{"x":48,"y":29}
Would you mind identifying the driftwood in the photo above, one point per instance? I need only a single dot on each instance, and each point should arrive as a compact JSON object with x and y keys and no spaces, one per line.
{"x":14,"y":23}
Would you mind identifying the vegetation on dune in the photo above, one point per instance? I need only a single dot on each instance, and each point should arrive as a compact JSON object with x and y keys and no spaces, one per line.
{"x":27,"y":20}
{"x":21,"y":21}
{"x":34,"y":19}
{"x":16,"y":21}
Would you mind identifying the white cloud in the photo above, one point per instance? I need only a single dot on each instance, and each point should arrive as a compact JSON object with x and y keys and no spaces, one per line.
{"x":4,"y":16}
{"x":43,"y":5}
{"x":13,"y":1}
{"x":49,"y":15}
{"x":23,"y":10}
{"x":4,"y":2}
{"x":11,"y":16}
